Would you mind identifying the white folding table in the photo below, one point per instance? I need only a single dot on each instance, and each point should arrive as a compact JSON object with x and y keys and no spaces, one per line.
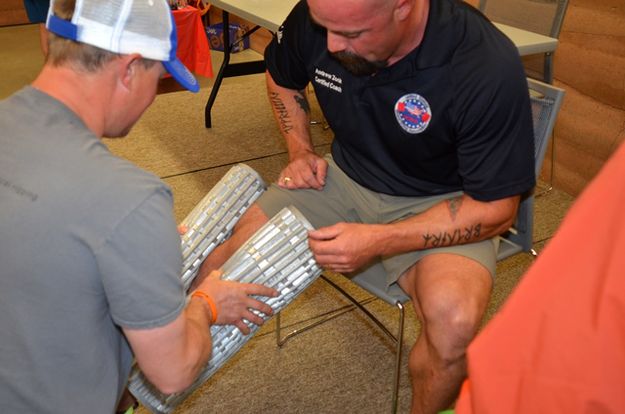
{"x":268,"y":14}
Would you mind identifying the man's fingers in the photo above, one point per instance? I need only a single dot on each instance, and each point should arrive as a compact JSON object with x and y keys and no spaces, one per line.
{"x":326,"y":260}
{"x":312,"y":181}
{"x":259,"y":290}
{"x":252,"y":317}
{"x":242,"y":327}
{"x":260,"y":306}
{"x":325,"y":233}
{"x":322,"y":169}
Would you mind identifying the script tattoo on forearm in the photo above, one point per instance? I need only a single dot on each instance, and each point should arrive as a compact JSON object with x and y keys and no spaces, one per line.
{"x":462,"y":235}
{"x":453,"y":205}
{"x":301,"y":100}
{"x":283,"y":115}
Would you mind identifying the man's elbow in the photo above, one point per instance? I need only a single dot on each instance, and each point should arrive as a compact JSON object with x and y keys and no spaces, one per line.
{"x":172,"y":356}
{"x":180,"y":372}
{"x":173,"y":388}
{"x":176,"y":380}
{"x":507,"y":210}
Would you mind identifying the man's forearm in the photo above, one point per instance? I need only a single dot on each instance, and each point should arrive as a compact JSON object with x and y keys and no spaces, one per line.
{"x":172,"y":356}
{"x":292,"y":113}
{"x":199,"y":316}
{"x":456,"y":221}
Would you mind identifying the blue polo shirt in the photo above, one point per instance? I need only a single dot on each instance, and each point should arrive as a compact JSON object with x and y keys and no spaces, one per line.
{"x":453,"y":114}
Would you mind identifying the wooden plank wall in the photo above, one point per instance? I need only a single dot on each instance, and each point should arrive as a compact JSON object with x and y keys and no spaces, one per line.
{"x":12,"y":12}
{"x":590,"y":65}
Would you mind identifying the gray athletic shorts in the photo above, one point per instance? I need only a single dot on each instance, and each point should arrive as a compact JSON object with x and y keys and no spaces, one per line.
{"x":343,"y":200}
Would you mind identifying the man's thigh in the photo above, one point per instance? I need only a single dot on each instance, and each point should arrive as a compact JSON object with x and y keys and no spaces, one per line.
{"x":336,"y":202}
{"x":343,"y":200}
{"x":484,"y":253}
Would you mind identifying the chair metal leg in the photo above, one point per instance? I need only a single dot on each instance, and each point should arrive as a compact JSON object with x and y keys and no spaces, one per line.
{"x":398,"y":348}
{"x":533,"y":253}
{"x":553,"y":164}
{"x":548,"y":78}
{"x":545,"y":191}
{"x":398,"y":339}
{"x":361,"y":307}
{"x":280,"y":340}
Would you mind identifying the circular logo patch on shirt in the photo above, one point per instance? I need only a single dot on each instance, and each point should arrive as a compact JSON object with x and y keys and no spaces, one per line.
{"x":413,"y":113}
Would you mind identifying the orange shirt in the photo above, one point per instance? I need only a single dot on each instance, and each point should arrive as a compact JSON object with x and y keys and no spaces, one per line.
{"x":558,"y":343}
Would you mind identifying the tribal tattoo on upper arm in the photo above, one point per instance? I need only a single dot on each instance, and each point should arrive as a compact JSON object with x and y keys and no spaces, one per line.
{"x":302,"y":101}
{"x":282,"y":113}
{"x":459,"y":235}
{"x":454,"y":204}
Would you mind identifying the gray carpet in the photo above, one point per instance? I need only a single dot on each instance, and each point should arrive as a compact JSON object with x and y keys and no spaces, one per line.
{"x":343,"y":366}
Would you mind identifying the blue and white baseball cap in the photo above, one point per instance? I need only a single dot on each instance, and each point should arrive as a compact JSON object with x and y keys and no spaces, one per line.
{"x":146,"y":27}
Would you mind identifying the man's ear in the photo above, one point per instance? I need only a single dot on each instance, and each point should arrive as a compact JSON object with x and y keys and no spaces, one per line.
{"x":403,"y":9}
{"x":127,"y":67}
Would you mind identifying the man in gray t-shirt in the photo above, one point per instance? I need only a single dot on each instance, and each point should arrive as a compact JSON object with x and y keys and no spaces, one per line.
{"x":89,"y":250}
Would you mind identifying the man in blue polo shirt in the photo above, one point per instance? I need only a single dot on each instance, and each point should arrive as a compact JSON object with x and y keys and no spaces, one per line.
{"x":433,"y":148}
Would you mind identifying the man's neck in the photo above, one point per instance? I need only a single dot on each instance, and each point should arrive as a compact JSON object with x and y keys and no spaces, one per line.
{"x":415,"y":30}
{"x":83,"y":93}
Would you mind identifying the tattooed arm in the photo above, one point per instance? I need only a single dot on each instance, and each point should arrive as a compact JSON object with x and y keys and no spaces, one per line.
{"x":345,"y":247}
{"x":292,"y":112}
{"x":468,"y":221}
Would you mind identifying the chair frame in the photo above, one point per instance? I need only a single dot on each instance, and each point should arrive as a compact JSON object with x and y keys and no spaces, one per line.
{"x":558,"y":16}
{"x":554,"y":32}
{"x":544,"y":98}
{"x":548,"y":71}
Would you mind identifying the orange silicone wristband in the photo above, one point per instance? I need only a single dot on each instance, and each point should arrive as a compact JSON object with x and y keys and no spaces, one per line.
{"x":210,"y":301}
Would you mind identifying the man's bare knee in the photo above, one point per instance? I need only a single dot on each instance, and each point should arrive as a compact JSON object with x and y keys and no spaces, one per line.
{"x":450,"y":294}
{"x":450,"y":326}
{"x":251,"y":221}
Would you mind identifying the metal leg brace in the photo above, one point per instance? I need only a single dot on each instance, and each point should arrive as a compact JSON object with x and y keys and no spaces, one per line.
{"x":211,"y":221}
{"x":277,"y":255}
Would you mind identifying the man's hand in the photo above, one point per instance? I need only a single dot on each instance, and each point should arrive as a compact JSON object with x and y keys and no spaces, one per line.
{"x":344,"y":247}
{"x":305,"y":170}
{"x":233,"y":300}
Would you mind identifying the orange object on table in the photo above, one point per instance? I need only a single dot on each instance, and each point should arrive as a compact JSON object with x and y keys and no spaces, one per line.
{"x":193,"y":48}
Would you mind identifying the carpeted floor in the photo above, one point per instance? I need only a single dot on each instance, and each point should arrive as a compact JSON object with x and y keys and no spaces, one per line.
{"x":343,"y":366}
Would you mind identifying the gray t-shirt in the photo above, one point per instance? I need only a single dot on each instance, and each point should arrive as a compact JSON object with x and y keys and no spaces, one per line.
{"x":88,"y":244}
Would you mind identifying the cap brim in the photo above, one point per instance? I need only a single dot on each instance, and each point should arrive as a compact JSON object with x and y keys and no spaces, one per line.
{"x":182,"y":75}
